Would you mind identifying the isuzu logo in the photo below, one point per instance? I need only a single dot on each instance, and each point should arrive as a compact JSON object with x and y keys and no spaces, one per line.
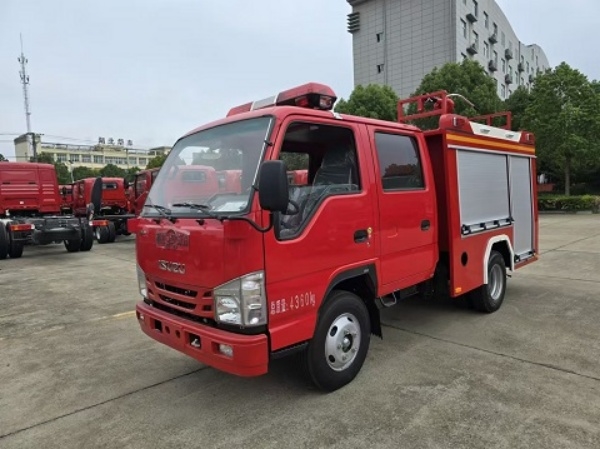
{"x":172,"y":267}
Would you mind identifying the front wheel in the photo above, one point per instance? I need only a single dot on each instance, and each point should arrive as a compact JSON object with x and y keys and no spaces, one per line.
{"x":489,"y":297}
{"x":339,"y":346}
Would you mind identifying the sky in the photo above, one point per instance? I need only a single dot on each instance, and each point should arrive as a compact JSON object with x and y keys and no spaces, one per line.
{"x":151,"y":70}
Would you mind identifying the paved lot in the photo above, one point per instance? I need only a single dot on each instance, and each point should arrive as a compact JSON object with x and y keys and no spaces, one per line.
{"x":76,"y":372}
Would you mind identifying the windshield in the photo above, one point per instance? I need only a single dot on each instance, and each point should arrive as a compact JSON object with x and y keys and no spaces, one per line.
{"x":211,"y":171}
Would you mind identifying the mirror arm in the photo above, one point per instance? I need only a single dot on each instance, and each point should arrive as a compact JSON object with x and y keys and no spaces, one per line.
{"x":253,"y":224}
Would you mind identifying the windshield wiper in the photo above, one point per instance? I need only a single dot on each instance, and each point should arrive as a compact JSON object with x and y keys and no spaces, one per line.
{"x":192,"y":205}
{"x":164,"y":212}
{"x":203,"y":207}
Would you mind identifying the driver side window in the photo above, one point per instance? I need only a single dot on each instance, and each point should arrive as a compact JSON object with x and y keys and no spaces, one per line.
{"x":321,"y":162}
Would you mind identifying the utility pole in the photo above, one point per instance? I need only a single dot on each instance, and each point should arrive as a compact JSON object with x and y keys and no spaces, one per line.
{"x":25,"y":82}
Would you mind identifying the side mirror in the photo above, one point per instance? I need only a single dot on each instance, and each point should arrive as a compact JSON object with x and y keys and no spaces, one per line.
{"x":273,"y":193}
{"x":125,"y":184}
{"x":64,"y":192}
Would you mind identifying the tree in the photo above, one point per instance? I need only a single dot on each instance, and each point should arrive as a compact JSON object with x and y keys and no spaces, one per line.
{"x":564,"y":115}
{"x":84,"y":172}
{"x":468,"y":78}
{"x":157,"y":161}
{"x":43,"y":158}
{"x":112,"y":171}
{"x":373,"y":101}
{"x":62,"y":173}
{"x":517,"y":104}
{"x":2,"y":158}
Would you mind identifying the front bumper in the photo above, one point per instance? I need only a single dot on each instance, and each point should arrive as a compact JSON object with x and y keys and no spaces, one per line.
{"x":250,"y":352}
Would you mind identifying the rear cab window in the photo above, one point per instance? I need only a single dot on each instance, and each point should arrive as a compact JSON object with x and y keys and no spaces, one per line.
{"x":400,"y":165}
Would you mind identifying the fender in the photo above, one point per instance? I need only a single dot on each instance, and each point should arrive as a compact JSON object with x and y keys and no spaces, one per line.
{"x":488,"y":250}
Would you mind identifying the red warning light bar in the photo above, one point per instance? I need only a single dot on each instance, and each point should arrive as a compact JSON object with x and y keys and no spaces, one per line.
{"x":310,"y":95}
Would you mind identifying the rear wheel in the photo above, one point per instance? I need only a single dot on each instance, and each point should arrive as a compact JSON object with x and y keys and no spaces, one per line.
{"x":15,"y":249}
{"x":112,"y":232}
{"x":489,"y":297}
{"x":339,"y":346}
{"x":102,"y":234}
{"x":87,"y":238}
{"x":4,"y":242}
{"x":73,"y":246}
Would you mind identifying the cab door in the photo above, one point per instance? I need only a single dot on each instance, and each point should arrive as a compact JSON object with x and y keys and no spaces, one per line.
{"x":407,"y":212}
{"x":331,"y":235}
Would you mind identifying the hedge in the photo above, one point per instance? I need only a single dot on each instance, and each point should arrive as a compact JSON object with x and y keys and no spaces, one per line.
{"x":569,"y":203}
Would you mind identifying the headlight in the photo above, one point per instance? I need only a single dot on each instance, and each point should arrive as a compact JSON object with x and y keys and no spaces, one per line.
{"x":242,"y":301}
{"x":142,"y":282}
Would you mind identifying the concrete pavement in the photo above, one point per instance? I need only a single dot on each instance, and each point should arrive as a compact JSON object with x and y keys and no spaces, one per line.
{"x":77,"y":372}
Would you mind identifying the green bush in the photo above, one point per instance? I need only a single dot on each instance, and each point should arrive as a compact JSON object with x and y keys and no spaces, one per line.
{"x":569,"y":203}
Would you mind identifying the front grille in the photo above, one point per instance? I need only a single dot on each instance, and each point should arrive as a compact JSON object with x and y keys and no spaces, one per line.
{"x":176,"y":302}
{"x":181,"y":314}
{"x":183,"y":299}
{"x":179,"y":291}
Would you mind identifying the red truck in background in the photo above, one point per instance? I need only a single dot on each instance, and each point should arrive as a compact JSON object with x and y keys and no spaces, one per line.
{"x":386,"y":211}
{"x":113,"y":215}
{"x":31,"y":211}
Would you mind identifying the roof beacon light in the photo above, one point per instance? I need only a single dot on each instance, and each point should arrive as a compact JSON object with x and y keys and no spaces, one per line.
{"x":311,"y":95}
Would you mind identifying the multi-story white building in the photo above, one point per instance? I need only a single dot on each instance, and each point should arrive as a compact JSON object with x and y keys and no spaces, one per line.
{"x":397,"y":42}
{"x":92,"y":156}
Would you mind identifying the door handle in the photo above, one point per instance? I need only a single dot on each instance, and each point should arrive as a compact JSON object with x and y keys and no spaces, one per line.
{"x":425,"y":225}
{"x":361,"y":236}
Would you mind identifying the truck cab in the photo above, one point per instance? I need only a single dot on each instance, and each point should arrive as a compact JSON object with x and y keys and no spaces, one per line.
{"x":236,"y":279}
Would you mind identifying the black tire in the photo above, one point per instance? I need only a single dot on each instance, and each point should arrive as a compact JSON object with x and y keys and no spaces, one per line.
{"x":4,"y":242}
{"x":87,"y":237}
{"x":112,"y":232}
{"x":102,"y":234}
{"x":16,"y":249}
{"x":489,"y":297}
{"x":343,"y":324}
{"x":73,"y":245}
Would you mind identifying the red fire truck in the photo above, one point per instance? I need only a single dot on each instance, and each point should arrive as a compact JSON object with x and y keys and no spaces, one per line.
{"x":387,"y":211}
{"x":30,"y":211}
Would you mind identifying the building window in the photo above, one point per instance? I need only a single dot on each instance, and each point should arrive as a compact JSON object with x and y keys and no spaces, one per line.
{"x":133,"y":160}
{"x":61,"y":158}
{"x":503,"y":65}
{"x":503,"y":39}
{"x":522,"y":81}
{"x":510,"y":47}
{"x":463,"y":27}
{"x":527,"y":67}
{"x":74,"y":157}
{"x":475,"y":8}
{"x":379,"y":37}
{"x":86,"y":158}
{"x":143,"y":161}
{"x":98,"y":159}
{"x":476,"y":40}
{"x":463,"y":56}
{"x":502,"y":91}
{"x":379,"y":68}
{"x":495,"y":29}
{"x":486,"y":50}
{"x":496,"y":57}
{"x":486,"y":20}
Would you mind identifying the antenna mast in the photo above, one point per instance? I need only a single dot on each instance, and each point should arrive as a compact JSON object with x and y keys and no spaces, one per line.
{"x":25,"y":82}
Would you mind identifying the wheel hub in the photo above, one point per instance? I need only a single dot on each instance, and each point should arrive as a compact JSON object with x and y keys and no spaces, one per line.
{"x":342,"y":342}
